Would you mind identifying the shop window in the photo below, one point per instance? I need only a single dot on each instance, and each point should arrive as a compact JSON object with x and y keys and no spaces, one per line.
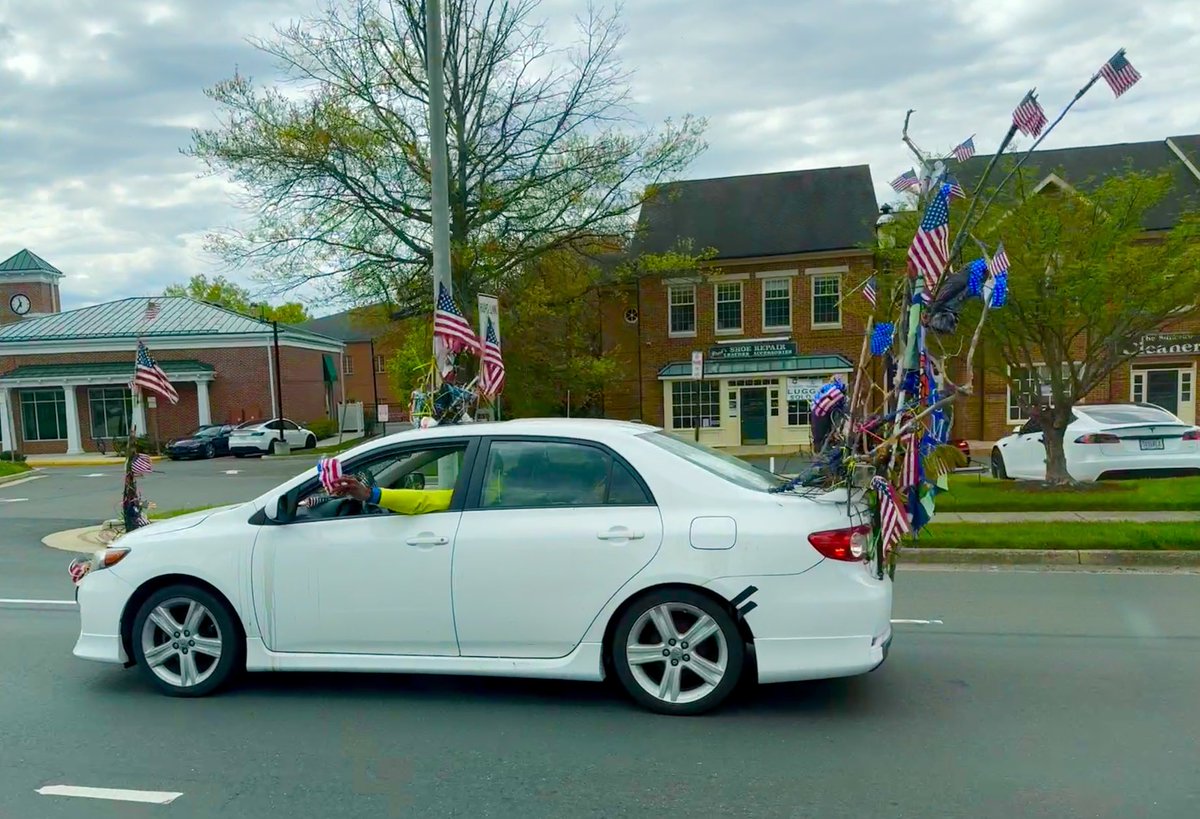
{"x":1026,"y":383}
{"x":799,"y":414}
{"x":775,"y":403}
{"x":826,"y":301}
{"x":681,"y":300}
{"x":44,"y":415}
{"x":110,"y":409}
{"x":777,"y":304}
{"x":1139,"y":387}
{"x":380,"y":364}
{"x":347,"y":365}
{"x":729,"y":307}
{"x":695,"y":404}
{"x":1185,"y":385}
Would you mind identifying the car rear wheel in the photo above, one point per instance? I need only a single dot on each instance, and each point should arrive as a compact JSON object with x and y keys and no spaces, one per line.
{"x":310,"y":442}
{"x":185,"y":641}
{"x":998,"y":470}
{"x":677,"y":652}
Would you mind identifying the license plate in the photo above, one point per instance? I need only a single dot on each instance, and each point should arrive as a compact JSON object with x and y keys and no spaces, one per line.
{"x":1151,"y":443}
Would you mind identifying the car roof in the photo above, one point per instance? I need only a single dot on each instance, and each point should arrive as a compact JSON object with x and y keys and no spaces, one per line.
{"x":568,"y":427}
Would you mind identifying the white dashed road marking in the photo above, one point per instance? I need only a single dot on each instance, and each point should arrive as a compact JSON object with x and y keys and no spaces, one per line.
{"x":96,"y":475}
{"x":919,"y":622}
{"x":233,"y":471}
{"x":21,"y":481}
{"x":115,"y":794}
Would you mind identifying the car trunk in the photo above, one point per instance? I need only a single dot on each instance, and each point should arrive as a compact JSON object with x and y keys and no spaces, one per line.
{"x":1145,"y":440}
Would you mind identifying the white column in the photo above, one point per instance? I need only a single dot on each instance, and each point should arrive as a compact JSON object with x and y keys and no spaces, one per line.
{"x":139,"y":413}
{"x":203,"y":408}
{"x":74,"y":445}
{"x":271,"y":380}
{"x":7,"y":438}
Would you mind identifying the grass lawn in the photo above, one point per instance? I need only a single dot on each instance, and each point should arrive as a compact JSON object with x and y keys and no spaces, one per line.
{"x":972,"y":494}
{"x":1139,"y":536}
{"x":10,"y":468}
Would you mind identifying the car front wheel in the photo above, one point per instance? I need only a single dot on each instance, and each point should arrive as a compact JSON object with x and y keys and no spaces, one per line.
{"x":677,"y":652}
{"x":185,"y":641}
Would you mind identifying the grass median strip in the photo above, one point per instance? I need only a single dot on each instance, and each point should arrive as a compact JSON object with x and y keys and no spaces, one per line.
{"x":968,"y":494}
{"x":1135,"y":536}
{"x":10,"y":468}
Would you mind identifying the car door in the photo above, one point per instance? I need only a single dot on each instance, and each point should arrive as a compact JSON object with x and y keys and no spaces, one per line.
{"x":294,"y":435}
{"x":366,"y":583}
{"x":552,"y":529}
{"x":1025,"y":455}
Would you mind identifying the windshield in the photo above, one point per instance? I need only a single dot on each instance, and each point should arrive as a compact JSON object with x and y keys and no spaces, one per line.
{"x":732,"y":469}
{"x":1129,"y":414}
{"x":206,"y":432}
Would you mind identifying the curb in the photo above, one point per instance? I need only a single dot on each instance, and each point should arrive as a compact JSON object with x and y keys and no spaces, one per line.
{"x":16,"y":476}
{"x":84,"y":540}
{"x":1051,"y":557}
{"x":43,"y":462}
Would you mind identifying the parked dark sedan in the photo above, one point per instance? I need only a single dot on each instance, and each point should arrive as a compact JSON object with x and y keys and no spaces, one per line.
{"x":207,"y":442}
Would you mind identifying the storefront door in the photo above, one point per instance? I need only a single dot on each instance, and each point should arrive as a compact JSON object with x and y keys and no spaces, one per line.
{"x":1162,"y":389}
{"x":1172,"y":388}
{"x":754,"y":417}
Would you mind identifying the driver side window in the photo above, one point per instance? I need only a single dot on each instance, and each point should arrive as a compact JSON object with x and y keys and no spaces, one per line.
{"x":427,"y":469}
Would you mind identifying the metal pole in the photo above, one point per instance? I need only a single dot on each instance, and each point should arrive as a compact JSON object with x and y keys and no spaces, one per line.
{"x":374,"y":383}
{"x":440,"y":193}
{"x":278,"y":380}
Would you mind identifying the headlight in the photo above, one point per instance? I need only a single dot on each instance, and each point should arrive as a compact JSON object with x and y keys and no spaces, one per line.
{"x":107,"y":558}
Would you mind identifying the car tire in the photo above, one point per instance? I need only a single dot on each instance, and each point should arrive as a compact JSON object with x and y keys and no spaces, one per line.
{"x":179,"y":670}
{"x":310,"y":442}
{"x":209,"y":452}
{"x":692,"y":677}
{"x":998,"y":470}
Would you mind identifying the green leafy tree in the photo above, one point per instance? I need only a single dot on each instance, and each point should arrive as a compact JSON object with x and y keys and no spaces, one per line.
{"x":235,"y":297}
{"x":544,"y":152}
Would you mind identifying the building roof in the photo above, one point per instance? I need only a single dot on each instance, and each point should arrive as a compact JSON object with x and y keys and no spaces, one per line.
{"x":25,"y":261}
{"x":817,"y":364}
{"x":355,"y":324}
{"x":772,"y":214}
{"x":1085,"y":167}
{"x":178,"y":317}
{"x":122,"y":369}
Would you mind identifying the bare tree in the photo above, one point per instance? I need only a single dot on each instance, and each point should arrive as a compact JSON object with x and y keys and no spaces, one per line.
{"x":544,"y":151}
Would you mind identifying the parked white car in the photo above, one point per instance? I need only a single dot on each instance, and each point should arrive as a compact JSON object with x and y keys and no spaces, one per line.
{"x":572,"y":549}
{"x":262,"y":437}
{"x":1106,"y":441}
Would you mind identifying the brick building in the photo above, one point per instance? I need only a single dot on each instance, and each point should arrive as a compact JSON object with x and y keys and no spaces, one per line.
{"x":367,"y":333}
{"x":64,"y":376}
{"x":767,"y":314}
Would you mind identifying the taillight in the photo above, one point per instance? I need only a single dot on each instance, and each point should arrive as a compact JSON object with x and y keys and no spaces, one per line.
{"x":842,"y":544}
{"x":1098,"y":438}
{"x":1192,"y":435}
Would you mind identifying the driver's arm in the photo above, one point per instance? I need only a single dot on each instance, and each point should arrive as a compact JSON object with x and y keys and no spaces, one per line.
{"x":401,"y":501}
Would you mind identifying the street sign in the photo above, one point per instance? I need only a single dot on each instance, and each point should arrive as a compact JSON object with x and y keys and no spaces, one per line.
{"x":697,"y":365}
{"x":382,"y":413}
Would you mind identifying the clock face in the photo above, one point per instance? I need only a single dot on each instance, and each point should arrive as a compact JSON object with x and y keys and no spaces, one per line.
{"x":19,"y":304}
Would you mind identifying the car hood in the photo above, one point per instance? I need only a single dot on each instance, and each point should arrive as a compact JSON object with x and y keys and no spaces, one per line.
{"x":178,"y":524}
{"x":189,"y":442}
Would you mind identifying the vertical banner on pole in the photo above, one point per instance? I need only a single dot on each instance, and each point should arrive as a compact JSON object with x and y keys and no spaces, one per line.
{"x":697,"y":365}
{"x":489,"y":307}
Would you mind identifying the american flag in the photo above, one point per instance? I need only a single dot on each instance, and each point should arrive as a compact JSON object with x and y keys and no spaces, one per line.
{"x":329,"y":470}
{"x":141,"y":464}
{"x":871,"y":291}
{"x":450,"y":327}
{"x":892,"y":520}
{"x":152,"y":309}
{"x":930,"y":248}
{"x":998,"y":263}
{"x":313,"y":501}
{"x":956,"y":191}
{"x":149,"y":376}
{"x":827,"y":402}
{"x":905,"y":181}
{"x":1029,"y":116}
{"x":965,"y":150}
{"x":910,"y":467}
{"x":1119,"y":73}
{"x":491,"y":380}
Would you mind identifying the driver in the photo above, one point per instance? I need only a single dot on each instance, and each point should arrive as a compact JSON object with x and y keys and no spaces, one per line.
{"x":400,"y":501}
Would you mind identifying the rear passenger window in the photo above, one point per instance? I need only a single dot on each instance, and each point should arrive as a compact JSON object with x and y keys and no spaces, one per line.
{"x":623,"y":488}
{"x":525,"y":474}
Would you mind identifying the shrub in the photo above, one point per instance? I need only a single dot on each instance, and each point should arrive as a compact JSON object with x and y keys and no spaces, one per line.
{"x":10,"y":455}
{"x":323,"y":428}
{"x":143,"y":445}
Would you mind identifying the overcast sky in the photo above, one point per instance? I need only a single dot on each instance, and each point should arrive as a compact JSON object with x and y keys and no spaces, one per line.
{"x":97,"y":96}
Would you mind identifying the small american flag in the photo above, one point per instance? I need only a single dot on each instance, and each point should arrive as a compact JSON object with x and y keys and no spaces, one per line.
{"x":149,"y":376}
{"x":1029,"y":116}
{"x":828,"y":401}
{"x":1119,"y":73}
{"x":930,"y":248}
{"x":152,"y":309}
{"x":905,"y":181}
{"x":330,"y":472}
{"x":450,"y":327}
{"x":892,"y":520}
{"x":141,"y":464}
{"x":871,"y":291}
{"x":910,"y":467}
{"x":956,"y":190}
{"x":998,"y":263}
{"x":313,"y":501}
{"x":492,"y":371}
{"x":965,"y":150}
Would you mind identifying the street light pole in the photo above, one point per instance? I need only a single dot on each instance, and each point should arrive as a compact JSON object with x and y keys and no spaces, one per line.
{"x":278,"y":380}
{"x":440,"y":194}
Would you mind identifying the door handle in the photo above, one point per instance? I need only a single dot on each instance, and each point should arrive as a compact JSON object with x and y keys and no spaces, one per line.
{"x":620,"y":533}
{"x":427,"y":540}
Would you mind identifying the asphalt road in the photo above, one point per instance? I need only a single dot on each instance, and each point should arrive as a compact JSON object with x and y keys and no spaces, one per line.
{"x":1038,"y":695}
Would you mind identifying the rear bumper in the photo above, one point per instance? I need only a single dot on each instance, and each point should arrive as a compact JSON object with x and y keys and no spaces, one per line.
{"x":1100,"y":466}
{"x":247,"y":449}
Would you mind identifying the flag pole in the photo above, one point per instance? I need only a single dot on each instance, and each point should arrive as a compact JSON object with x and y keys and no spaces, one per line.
{"x":440,"y":193}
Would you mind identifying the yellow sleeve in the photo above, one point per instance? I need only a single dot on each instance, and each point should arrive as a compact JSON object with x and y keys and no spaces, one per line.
{"x":415,"y":501}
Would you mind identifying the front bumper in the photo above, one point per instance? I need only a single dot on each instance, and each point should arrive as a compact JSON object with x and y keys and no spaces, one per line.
{"x":102,"y":597}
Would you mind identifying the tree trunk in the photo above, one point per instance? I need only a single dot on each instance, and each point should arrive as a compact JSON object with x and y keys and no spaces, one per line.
{"x":1056,"y":458}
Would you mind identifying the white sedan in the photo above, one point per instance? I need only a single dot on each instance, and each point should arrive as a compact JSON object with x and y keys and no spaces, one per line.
{"x":1105,"y":441}
{"x":570,"y":549}
{"x":262,"y":437}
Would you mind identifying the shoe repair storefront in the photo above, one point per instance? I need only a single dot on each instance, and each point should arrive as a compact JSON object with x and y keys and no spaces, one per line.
{"x":755,"y":396}
{"x":1164,"y":373}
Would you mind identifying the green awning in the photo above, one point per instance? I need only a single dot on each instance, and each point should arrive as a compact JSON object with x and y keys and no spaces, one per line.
{"x":785,"y":365}
{"x":329,"y":369}
{"x":120,"y":370}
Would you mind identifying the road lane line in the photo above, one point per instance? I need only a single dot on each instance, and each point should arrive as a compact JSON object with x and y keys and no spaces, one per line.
{"x":20,"y":481}
{"x":13,"y":500}
{"x":44,"y":605}
{"x":115,"y":794}
{"x":96,"y":475}
{"x":919,"y":622}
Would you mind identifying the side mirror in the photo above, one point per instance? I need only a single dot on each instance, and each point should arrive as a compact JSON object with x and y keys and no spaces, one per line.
{"x":280,"y":510}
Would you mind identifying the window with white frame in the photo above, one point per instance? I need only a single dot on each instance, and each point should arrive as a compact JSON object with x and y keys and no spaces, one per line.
{"x":799,"y":414}
{"x":1027,"y":383}
{"x":1139,"y":386}
{"x":110,"y":409}
{"x":695,"y":404}
{"x":1185,"y":385}
{"x":44,"y":414}
{"x":777,"y":304}
{"x":380,"y":364}
{"x":826,"y":301}
{"x":347,"y":365}
{"x":681,"y":305}
{"x":729,"y":307}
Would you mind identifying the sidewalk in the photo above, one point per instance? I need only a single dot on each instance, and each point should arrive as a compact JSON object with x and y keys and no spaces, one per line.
{"x":1065,"y":517}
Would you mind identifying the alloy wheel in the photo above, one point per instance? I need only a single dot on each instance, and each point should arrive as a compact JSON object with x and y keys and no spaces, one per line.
{"x":677,"y":653}
{"x":181,"y":642}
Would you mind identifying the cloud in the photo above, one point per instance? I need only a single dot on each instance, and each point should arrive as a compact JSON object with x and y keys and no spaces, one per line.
{"x":97,"y":98}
